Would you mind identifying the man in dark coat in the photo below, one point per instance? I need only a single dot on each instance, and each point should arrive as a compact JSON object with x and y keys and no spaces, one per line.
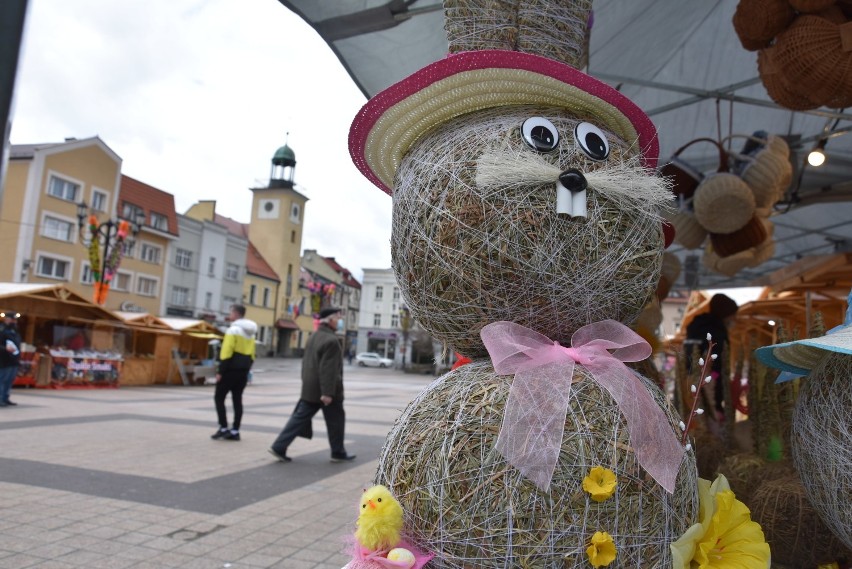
{"x":10,"y":356}
{"x":322,"y":389}
{"x":715,"y":322}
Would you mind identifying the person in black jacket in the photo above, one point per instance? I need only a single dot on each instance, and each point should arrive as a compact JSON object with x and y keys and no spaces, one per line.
{"x":10,"y":356}
{"x":322,"y":389}
{"x":235,"y":361}
{"x":715,"y":322}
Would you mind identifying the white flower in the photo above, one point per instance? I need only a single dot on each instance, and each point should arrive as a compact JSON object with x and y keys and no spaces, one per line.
{"x":682,"y":426}
{"x":708,"y":379}
{"x":701,"y":361}
{"x":709,"y":336}
{"x":692,"y":388}
{"x":699,"y":411}
{"x":714,"y":356}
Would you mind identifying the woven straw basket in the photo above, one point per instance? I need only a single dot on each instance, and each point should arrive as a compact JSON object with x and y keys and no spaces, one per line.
{"x":810,"y":5}
{"x":750,"y":235}
{"x":768,"y":175}
{"x":729,"y":266}
{"x":723,"y":203}
{"x":816,"y":53}
{"x":790,"y":96}
{"x":763,"y":252}
{"x":757,"y":22}
{"x":688,"y":232}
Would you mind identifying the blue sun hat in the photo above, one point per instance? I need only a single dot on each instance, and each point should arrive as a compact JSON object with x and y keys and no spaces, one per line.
{"x":798,"y":358}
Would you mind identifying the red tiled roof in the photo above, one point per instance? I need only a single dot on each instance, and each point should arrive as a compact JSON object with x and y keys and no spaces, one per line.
{"x":150,"y":199}
{"x":348,"y":279}
{"x":257,"y":265}
{"x":233,"y":226}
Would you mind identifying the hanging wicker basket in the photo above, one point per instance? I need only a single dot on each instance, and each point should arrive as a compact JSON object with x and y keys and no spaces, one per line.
{"x":768,"y":175}
{"x":793,"y":97}
{"x":816,"y":54}
{"x":685,"y":178}
{"x":810,"y":5}
{"x":723,"y":203}
{"x":729,"y":266}
{"x":757,"y":22}
{"x":750,"y":235}
{"x":688,"y":232}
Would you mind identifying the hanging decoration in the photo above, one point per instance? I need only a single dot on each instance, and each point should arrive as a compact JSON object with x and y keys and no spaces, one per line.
{"x":113,"y":255}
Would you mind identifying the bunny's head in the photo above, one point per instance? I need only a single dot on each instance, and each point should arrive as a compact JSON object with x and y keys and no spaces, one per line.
{"x":522,"y":192}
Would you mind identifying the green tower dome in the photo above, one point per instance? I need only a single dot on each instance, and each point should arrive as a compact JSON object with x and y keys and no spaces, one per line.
{"x":284,"y":156}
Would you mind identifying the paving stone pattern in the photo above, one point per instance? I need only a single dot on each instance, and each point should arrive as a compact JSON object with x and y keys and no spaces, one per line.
{"x":129,"y":477}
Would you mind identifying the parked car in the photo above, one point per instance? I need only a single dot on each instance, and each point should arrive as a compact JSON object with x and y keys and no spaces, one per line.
{"x":372,"y":359}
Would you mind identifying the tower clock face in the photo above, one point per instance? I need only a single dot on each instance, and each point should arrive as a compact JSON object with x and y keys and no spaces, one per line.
{"x":268,"y":209}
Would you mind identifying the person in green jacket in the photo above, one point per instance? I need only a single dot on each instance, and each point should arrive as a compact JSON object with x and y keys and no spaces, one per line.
{"x":235,"y":361}
{"x":322,"y":389}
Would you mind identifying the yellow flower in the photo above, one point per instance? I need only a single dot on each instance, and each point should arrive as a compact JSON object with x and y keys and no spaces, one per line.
{"x":725,"y":536}
{"x":602,"y":550}
{"x":600,"y":483}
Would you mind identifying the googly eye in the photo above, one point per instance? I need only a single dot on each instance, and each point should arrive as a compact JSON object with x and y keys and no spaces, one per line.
{"x":540,"y":134}
{"x":591,"y":140}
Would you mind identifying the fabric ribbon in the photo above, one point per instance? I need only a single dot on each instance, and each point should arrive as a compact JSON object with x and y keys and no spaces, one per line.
{"x":534,"y":418}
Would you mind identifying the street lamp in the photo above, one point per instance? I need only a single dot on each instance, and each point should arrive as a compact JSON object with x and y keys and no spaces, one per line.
{"x":405,"y":326}
{"x":109,"y":237}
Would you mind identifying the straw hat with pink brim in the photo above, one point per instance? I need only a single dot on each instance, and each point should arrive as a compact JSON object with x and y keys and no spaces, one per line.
{"x":392,"y":121}
{"x":801,"y":356}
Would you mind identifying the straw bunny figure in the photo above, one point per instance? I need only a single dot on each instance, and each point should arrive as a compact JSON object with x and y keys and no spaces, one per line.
{"x":526,"y":233}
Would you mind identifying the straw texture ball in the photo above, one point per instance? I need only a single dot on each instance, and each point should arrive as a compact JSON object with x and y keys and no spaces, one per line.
{"x":757,"y":22}
{"x":688,"y":232}
{"x":821,"y":435}
{"x":794,"y":531}
{"x":467,"y":253}
{"x":768,"y":175}
{"x":746,"y":471}
{"x":463,"y":502}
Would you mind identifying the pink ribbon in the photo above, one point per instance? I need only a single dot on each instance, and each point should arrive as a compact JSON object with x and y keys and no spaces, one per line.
{"x":534,"y":419}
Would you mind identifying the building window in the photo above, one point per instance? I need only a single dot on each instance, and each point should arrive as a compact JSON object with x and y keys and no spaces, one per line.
{"x":377,"y":320}
{"x":99,"y":201}
{"x":121,"y":282}
{"x":57,"y":228}
{"x":180,"y":296}
{"x":295,"y":210}
{"x":379,"y":292}
{"x":208,"y":300}
{"x":129,"y":248}
{"x":293,"y":236}
{"x":232,"y":272}
{"x":159,"y":221}
{"x":150,"y":253}
{"x":86,"y":274}
{"x":394,"y":320}
{"x":396,"y":294}
{"x":228,"y":302}
{"x":266,"y":296}
{"x":252,"y":293}
{"x":211,"y":267}
{"x":146,"y":286}
{"x":53,"y":268}
{"x":63,"y":189}
{"x":183,"y":258}
{"x":261,"y":334}
{"x":130,"y":211}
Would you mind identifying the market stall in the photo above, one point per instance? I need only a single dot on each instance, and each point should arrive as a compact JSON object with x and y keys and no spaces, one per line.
{"x":196,"y":350}
{"x":151,"y":342}
{"x":68,"y":341}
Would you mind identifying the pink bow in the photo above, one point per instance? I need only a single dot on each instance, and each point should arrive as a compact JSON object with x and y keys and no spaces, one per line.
{"x":534,"y":419}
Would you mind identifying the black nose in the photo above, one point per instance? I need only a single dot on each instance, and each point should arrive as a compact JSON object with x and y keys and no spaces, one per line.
{"x":573,"y":180}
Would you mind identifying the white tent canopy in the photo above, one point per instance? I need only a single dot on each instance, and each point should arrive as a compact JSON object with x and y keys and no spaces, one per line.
{"x":680,"y":60}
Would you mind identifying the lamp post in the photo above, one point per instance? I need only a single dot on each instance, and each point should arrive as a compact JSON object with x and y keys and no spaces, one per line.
{"x":110,"y":237}
{"x":405,"y":326}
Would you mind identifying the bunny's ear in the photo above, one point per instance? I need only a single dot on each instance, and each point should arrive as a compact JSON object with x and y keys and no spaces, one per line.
{"x":555,"y":29}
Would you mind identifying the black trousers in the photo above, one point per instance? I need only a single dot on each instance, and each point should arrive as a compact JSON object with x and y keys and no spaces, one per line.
{"x":299,"y":424}
{"x":234,"y":381}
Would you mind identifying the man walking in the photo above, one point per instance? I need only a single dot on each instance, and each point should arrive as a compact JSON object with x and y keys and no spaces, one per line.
{"x":322,"y":388}
{"x":235,"y":361}
{"x":10,"y":356}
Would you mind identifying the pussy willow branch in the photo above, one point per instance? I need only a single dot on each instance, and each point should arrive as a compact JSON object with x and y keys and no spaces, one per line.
{"x":708,"y":357}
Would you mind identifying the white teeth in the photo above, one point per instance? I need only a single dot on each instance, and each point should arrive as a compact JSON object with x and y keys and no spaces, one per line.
{"x":572,"y":204}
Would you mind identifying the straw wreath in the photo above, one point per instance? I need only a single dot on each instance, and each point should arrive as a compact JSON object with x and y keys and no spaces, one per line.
{"x":466,"y":504}
{"x":476,"y":238}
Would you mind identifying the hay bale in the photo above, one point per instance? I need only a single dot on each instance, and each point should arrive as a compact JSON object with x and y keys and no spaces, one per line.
{"x":746,"y":471}
{"x":467,"y":253}
{"x":820,"y":437}
{"x":463,"y":501}
{"x":710,"y":449}
{"x":795,"y":533}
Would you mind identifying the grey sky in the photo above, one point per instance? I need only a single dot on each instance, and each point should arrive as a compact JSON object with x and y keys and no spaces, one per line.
{"x":196,"y":96}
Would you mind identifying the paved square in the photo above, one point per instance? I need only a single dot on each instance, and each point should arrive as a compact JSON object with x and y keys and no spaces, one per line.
{"x":129,"y":477}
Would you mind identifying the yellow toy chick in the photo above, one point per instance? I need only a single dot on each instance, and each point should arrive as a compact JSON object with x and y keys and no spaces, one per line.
{"x":379,"y":520}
